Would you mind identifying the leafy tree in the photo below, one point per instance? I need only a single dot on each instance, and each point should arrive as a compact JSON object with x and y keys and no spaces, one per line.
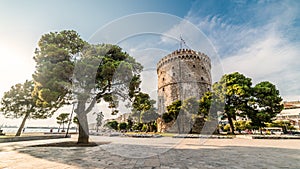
{"x":19,"y":102}
{"x":54,"y":59}
{"x":232,"y":91}
{"x":103,"y":73}
{"x":265,"y":104}
{"x":149,"y":117}
{"x":99,"y":119}
{"x":112,"y":124}
{"x":141,"y":103}
{"x":205,"y":104}
{"x":172,"y":112}
{"x":62,"y":119}
{"x":143,"y":109}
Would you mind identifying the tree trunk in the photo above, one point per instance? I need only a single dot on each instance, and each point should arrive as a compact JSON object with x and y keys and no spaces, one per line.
{"x":22,"y":124}
{"x":231,"y":124}
{"x":260,"y":129}
{"x":83,"y":137}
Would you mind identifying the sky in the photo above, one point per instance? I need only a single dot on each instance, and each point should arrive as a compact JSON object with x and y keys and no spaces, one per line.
{"x":257,"y":38}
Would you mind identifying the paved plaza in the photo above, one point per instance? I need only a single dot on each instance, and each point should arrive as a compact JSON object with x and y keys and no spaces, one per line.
{"x":165,"y":152}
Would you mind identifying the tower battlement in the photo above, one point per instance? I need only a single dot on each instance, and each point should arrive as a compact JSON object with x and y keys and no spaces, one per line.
{"x":184,"y":54}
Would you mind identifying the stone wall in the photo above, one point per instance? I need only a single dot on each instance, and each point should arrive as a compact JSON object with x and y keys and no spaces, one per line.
{"x":182,"y":74}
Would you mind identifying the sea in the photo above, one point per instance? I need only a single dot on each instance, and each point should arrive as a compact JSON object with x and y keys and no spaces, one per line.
{"x":34,"y":129}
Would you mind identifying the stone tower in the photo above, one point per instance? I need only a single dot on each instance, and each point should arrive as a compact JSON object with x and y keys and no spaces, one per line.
{"x":182,"y":74}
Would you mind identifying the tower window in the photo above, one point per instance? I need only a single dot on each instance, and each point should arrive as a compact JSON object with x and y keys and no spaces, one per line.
{"x":202,"y":78}
{"x":194,"y":66}
{"x":172,"y":67}
{"x":163,"y":89}
{"x":163,"y":79}
{"x":173,"y":74}
{"x":202,"y":67}
{"x":189,"y":75}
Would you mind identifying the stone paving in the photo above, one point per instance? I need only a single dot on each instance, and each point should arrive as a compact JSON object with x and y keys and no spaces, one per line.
{"x":164,"y":153}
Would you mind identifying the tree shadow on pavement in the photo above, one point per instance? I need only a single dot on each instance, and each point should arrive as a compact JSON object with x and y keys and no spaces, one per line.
{"x":205,"y":157}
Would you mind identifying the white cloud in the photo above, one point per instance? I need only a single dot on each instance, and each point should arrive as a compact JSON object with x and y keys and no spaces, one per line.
{"x":260,"y":49}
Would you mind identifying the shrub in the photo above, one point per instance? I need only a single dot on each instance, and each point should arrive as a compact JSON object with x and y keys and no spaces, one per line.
{"x":144,"y":128}
{"x":112,"y":124}
{"x":122,"y":126}
{"x":137,"y":126}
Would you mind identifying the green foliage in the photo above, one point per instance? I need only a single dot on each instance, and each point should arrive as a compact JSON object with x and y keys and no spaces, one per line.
{"x":112,"y":125}
{"x":137,"y":126}
{"x":226,"y":127}
{"x":142,"y":102}
{"x":232,"y":91}
{"x":129,"y":124}
{"x":63,"y":118}
{"x":143,"y":108}
{"x":242,"y":125}
{"x":205,"y":104}
{"x":264,"y":104}
{"x":75,"y":120}
{"x":19,"y":102}
{"x":122,"y":126}
{"x":197,"y":108}
{"x":54,"y":67}
{"x":144,"y":128}
{"x":102,"y":72}
{"x":172,"y":111}
{"x":284,"y":124}
{"x":260,"y":103}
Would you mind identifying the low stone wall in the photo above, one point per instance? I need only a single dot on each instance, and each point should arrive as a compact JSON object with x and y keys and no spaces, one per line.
{"x":202,"y":136}
{"x":275,"y":137}
{"x":28,"y":138}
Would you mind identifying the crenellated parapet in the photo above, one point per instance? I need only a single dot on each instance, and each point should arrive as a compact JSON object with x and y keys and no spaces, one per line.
{"x":184,"y":54}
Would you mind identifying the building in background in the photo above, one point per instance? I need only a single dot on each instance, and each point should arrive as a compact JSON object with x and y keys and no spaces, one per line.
{"x":291,"y":112}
